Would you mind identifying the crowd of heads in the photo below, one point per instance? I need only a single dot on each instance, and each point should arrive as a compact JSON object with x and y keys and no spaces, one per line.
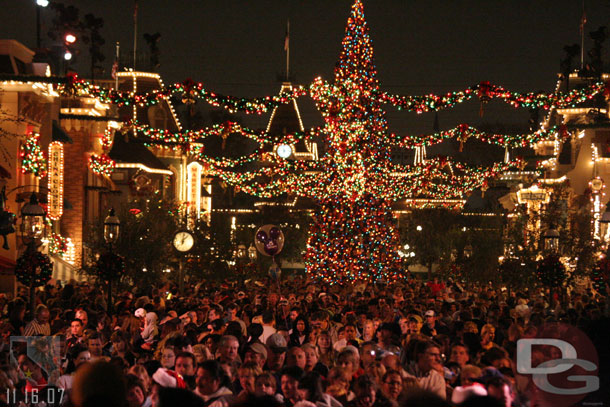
{"x":299,"y":343}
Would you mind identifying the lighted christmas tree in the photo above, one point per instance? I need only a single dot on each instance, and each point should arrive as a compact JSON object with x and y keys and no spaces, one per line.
{"x":354,"y":235}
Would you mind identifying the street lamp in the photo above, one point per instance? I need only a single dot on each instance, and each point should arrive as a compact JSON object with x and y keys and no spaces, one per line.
{"x":241,"y":252}
{"x":112,"y":226}
{"x":32,"y":221}
{"x":468,"y":251}
{"x":551,"y":240}
{"x":252,"y":253}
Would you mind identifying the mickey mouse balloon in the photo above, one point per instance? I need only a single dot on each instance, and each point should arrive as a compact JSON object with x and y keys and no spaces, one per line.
{"x":269,"y":240}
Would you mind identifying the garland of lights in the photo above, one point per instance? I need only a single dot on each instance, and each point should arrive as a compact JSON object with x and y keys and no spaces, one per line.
{"x":101,"y":164}
{"x":33,"y":160}
{"x":188,"y":91}
{"x":486,"y":91}
{"x":33,"y":268}
{"x":463,"y":132}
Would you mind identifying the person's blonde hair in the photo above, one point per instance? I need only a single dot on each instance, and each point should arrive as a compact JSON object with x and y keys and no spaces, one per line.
{"x":311,"y":346}
{"x":251,"y":367}
{"x":488,"y":328}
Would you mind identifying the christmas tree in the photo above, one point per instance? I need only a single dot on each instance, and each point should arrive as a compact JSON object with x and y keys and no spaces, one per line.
{"x":354,"y":234}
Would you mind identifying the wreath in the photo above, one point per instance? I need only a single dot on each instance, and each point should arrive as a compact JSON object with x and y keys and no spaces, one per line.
{"x":33,"y":268}
{"x":110,"y":266}
{"x":551,"y":272}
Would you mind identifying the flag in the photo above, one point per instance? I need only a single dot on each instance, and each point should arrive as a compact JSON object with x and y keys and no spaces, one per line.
{"x":287,"y":39}
{"x":115,"y":68}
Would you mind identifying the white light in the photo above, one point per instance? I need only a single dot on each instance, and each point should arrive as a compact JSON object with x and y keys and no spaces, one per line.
{"x":284,"y":151}
{"x":412,"y":254}
{"x":406,"y":247}
{"x":68,"y":56}
{"x":70,"y":38}
{"x":42,"y":3}
{"x":419,"y":228}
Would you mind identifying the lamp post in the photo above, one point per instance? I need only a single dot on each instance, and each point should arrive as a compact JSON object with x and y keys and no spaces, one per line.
{"x":551,"y":240}
{"x":32,"y":231}
{"x":40,"y":4}
{"x":112,"y":227}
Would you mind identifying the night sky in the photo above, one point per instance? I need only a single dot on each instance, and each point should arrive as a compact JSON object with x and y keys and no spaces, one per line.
{"x":236,"y":46}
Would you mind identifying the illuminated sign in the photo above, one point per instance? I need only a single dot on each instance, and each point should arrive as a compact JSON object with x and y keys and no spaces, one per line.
{"x":194,"y":187}
{"x":56,"y":180}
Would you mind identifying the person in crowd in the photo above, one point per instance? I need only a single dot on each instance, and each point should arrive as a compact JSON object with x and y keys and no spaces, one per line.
{"x":348,"y":359}
{"x":94,"y":344}
{"x":367,"y":394}
{"x":459,"y":354}
{"x":40,"y":324}
{"x":392,"y":385}
{"x":339,"y":380}
{"x":328,"y":354}
{"x":312,"y":360}
{"x":265,"y":384}
{"x":268,"y":325}
{"x":121,"y":347}
{"x":276,"y":356}
{"x":296,"y":357}
{"x":185,"y":366}
{"x":300,"y":331}
{"x":213,"y":385}
{"x":168,"y":358}
{"x":76,"y":333}
{"x":247,"y":374}
{"x":310,"y":390}
{"x":227,"y":350}
{"x":289,"y":379}
{"x":256,"y":353}
{"x":137,"y":395}
{"x":426,"y":368}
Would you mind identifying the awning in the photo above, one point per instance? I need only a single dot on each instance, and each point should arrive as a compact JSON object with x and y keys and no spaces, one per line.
{"x":59,"y":135}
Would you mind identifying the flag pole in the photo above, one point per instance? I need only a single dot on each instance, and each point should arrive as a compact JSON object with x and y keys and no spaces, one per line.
{"x":135,"y":32}
{"x":116,"y":77}
{"x":287,"y":48}
{"x":583,"y":21}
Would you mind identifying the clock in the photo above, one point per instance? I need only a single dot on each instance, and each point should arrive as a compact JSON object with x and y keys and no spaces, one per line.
{"x":183,"y":241}
{"x":284,"y":151}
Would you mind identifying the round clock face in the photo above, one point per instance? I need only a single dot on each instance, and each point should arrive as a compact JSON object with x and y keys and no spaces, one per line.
{"x":183,"y":241}
{"x":284,"y":151}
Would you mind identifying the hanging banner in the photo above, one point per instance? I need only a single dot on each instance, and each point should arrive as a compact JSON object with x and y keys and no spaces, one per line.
{"x":194,"y":188}
{"x":56,"y":180}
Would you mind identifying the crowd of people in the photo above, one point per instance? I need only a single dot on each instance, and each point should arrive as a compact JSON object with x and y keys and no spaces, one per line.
{"x":296,"y":344}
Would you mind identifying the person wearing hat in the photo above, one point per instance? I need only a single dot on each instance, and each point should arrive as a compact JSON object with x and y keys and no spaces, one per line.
{"x":432,"y":326}
{"x":388,"y":337}
{"x":276,"y":356}
{"x":257,"y":353}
